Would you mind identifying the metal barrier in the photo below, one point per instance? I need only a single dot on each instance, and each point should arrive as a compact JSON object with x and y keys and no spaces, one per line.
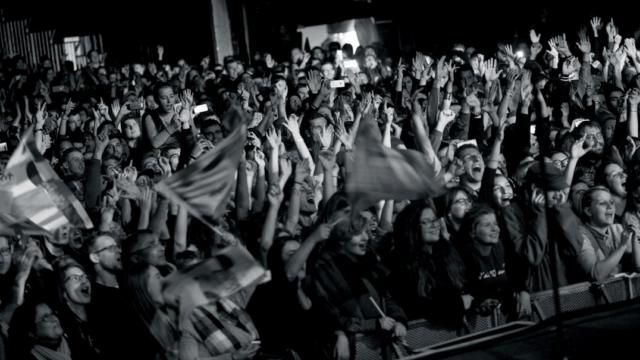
{"x":422,"y":335}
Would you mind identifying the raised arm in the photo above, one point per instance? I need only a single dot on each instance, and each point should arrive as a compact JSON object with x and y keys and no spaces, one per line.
{"x":294,"y":129}
{"x":275,"y":197}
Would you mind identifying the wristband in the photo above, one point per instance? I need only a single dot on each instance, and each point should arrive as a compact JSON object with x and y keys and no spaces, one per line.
{"x":441,"y":126}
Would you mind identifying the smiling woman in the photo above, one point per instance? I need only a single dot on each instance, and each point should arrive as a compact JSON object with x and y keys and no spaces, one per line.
{"x":74,"y":289}
{"x":35,"y":333}
{"x":349,"y":290}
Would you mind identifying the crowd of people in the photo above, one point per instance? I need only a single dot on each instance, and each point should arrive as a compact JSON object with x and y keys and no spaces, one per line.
{"x":539,"y":140}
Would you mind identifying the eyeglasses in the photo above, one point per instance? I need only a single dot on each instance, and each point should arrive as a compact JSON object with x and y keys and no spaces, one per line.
{"x":430,"y":222}
{"x":561,"y":163}
{"x":462,"y":201}
{"x":47,"y":318}
{"x":111,"y":248}
{"x":5,"y":251}
{"x":597,"y":136}
{"x":77,"y":278}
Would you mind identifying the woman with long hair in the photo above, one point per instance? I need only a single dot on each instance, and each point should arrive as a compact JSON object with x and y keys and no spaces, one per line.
{"x":35,"y":333}
{"x":428,"y":275}
{"x":144,"y":284}
{"x":349,"y":291}
{"x":484,"y":256}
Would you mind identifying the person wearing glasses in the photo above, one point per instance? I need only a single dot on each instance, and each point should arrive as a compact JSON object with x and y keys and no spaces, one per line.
{"x":427,"y":276}
{"x":35,"y":333}
{"x":457,"y":202}
{"x":108,"y":302}
{"x":74,"y":293}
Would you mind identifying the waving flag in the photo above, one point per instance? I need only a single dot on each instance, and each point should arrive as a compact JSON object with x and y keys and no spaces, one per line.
{"x":380,"y":173}
{"x":204,"y":187}
{"x":37,"y":193}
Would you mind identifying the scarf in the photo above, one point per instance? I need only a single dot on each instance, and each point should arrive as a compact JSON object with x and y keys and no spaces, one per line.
{"x":44,"y":353}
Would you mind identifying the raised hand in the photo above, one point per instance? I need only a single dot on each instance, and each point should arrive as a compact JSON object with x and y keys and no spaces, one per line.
{"x":388,"y":111}
{"x":68,"y":107}
{"x":259,"y":158}
{"x":578,"y":149}
{"x":165,"y":165}
{"x":535,"y":38}
{"x":612,"y":30}
{"x":275,"y":195}
{"x":526,"y":87}
{"x":512,"y":76}
{"x":365,"y":104}
{"x":418,"y":65}
{"x":584,"y":44}
{"x":103,"y":109}
{"x":451,"y":68}
{"x":115,"y":107}
{"x":596,"y":25}
{"x":630,"y":48}
{"x":274,"y":138}
{"x":292,"y":125}
{"x":562,"y":45}
{"x":187,"y":98}
{"x":535,"y":49}
{"x":344,"y":136}
{"x":508,"y":50}
{"x":446,"y":116}
{"x":326,"y":136}
{"x":553,"y":48}
{"x":40,"y":115}
{"x":315,"y":82}
{"x":490,"y":73}
{"x":620,"y":56}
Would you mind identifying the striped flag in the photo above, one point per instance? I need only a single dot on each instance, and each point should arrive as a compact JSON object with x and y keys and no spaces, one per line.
{"x":204,"y":187}
{"x":37,"y":193}
{"x":381,"y":173}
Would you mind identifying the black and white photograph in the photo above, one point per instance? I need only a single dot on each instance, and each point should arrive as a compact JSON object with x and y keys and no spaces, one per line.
{"x":319,"y":180}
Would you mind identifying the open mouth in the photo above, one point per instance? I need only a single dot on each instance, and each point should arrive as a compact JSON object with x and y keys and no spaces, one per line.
{"x":86,"y":291}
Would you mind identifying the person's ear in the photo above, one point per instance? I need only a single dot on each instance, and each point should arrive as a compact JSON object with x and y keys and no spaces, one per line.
{"x":94,"y":258}
{"x":587,"y":211}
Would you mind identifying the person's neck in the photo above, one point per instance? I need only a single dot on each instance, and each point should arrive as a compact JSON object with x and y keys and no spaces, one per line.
{"x":79,"y":310}
{"x":471,"y":184}
{"x":455,"y":222}
{"x":50,"y":343}
{"x":599,"y":227}
{"x":483,"y":249}
{"x":54,"y":249}
{"x":106,"y":278}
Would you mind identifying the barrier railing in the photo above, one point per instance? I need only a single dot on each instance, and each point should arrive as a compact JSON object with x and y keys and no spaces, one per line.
{"x":422,"y":335}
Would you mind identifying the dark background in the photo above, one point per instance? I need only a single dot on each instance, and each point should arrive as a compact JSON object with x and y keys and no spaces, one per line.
{"x":131,"y":29}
